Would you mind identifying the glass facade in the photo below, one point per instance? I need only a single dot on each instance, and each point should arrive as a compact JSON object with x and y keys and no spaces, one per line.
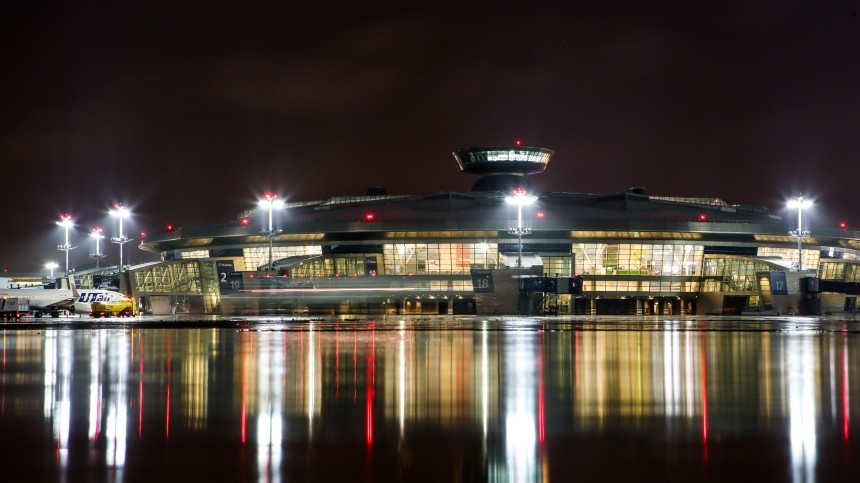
{"x":259,"y":256}
{"x":186,"y":277}
{"x":725,"y":273}
{"x":666,"y":287}
{"x":810,"y":257}
{"x":438,"y":258}
{"x":677,"y":267}
{"x":839,"y":270}
{"x":638,"y":259}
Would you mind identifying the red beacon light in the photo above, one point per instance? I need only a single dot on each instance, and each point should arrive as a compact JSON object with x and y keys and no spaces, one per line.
{"x":245,"y":221}
{"x":843,"y":225}
{"x":369,"y":216}
{"x":540,"y":215}
{"x":170,"y":227}
{"x":518,"y":142}
{"x":703,"y":217}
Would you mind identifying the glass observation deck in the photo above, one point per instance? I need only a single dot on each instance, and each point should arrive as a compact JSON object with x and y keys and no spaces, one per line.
{"x":521,"y":160}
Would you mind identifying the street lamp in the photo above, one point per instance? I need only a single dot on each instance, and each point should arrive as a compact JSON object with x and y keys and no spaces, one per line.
{"x":51,"y":266}
{"x":96,"y":234}
{"x":520,"y":198}
{"x":66,"y":223}
{"x":800,"y":203}
{"x":271,"y":202}
{"x":120,"y":212}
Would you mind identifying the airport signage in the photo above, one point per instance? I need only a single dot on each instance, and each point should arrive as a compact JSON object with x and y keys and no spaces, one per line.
{"x":778,"y":284}
{"x":228,"y":277}
{"x":482,"y":281}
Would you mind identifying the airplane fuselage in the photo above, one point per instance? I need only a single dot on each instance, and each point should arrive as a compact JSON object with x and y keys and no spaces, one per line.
{"x":54,"y":300}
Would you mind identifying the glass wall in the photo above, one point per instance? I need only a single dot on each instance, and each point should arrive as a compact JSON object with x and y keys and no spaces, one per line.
{"x":645,"y":286}
{"x":259,"y":256}
{"x":839,"y":270}
{"x":638,"y":259}
{"x":353,"y":265}
{"x":810,"y":257}
{"x":438,"y":258}
{"x":186,"y":277}
{"x":556,"y":266}
{"x":724,"y":273}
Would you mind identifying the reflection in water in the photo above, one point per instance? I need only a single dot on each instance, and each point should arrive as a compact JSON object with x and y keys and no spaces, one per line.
{"x":394,"y":400}
{"x":801,"y":407}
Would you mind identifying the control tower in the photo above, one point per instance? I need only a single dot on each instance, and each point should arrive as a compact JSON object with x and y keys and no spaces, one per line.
{"x":503,"y":168}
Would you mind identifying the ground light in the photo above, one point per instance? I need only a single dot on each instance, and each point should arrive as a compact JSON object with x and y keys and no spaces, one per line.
{"x":120,"y":212}
{"x":520,"y":198}
{"x":801,"y":204}
{"x":66,"y":223}
{"x":271,"y":202}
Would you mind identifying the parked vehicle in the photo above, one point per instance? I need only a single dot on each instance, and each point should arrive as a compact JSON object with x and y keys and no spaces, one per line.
{"x":14,"y":307}
{"x":121,"y":308}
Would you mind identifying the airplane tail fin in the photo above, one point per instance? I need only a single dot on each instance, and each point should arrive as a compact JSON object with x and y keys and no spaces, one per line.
{"x":69,"y":283}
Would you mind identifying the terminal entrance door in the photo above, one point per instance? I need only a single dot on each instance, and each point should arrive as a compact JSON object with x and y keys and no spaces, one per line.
{"x":734,"y":304}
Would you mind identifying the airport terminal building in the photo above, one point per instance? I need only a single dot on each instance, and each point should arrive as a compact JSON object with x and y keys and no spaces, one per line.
{"x":501,"y":248}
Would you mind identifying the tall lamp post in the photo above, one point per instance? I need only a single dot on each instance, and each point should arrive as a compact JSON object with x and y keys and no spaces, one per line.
{"x":520,"y":198}
{"x":66,"y":223}
{"x":271,"y":202}
{"x":120,"y":212}
{"x":51,"y":266}
{"x":801,"y":204}
{"x":96,"y":234}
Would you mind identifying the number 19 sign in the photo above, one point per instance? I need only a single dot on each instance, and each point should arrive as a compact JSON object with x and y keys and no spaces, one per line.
{"x":228,"y":277}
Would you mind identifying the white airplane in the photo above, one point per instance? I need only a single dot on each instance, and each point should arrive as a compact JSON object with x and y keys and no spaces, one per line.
{"x":52,"y":301}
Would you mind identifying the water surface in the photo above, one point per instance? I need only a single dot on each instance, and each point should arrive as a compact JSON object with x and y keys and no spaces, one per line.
{"x":431,"y":399}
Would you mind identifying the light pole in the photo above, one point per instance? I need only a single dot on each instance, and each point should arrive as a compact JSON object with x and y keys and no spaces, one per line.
{"x":271,"y":202}
{"x":66,"y":223}
{"x":800,"y":203}
{"x":51,"y":266}
{"x":120,"y":212}
{"x":96,"y":234}
{"x":520,"y":198}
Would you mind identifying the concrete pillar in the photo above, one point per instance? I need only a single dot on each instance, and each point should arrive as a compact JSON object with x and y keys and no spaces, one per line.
{"x":593,"y":306}
{"x":638,"y":306}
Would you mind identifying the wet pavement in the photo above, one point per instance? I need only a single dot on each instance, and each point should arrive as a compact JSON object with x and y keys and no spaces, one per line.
{"x":430,"y":399}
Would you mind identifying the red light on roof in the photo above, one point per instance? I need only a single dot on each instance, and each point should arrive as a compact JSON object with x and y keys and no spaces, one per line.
{"x":843,"y":225}
{"x":518,"y":142}
{"x":169,"y":227}
{"x":369,"y":216}
{"x":540,"y":215}
{"x":703,"y":217}
{"x":245,"y":222}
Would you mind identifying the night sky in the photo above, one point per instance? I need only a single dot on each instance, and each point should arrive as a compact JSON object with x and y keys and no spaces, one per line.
{"x":188,"y":111}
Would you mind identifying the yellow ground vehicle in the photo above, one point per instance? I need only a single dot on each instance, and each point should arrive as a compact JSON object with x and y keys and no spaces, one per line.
{"x":122,"y":308}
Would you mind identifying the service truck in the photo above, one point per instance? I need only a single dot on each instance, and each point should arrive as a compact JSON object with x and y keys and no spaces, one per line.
{"x":14,"y":307}
{"x":121,"y":308}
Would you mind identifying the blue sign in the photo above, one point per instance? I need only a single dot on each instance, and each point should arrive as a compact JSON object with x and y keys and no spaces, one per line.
{"x":778,"y":285}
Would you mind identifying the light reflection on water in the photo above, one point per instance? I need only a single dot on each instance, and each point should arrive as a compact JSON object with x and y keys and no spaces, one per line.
{"x":437,"y":400}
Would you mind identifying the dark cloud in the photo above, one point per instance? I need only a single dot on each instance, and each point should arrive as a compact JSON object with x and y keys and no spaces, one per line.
{"x":188,"y":110}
